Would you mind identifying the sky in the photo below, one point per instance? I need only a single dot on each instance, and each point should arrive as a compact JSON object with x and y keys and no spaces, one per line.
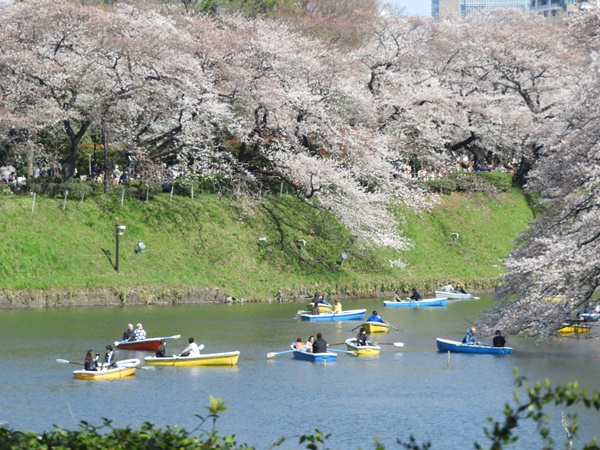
{"x":413,"y":7}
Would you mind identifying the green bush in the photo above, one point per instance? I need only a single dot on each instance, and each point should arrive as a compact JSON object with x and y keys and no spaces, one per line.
{"x":442,"y":185}
{"x":501,"y":180}
{"x":473,"y":182}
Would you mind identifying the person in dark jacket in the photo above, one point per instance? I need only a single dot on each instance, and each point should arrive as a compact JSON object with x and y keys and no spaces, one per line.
{"x":361,"y":339}
{"x":160,"y":350}
{"x":415,"y":295}
{"x":109,"y":358}
{"x":499,"y":340}
{"x":320,"y":345}
{"x":128,"y":333}
{"x":91,"y":361}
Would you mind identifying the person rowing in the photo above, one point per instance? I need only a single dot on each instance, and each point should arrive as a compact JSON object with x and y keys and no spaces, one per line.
{"x":415,"y":295}
{"x":375,"y":318}
{"x":361,"y":339}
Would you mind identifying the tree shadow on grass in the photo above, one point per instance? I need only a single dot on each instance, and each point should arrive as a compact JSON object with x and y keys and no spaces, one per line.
{"x":109,"y":257}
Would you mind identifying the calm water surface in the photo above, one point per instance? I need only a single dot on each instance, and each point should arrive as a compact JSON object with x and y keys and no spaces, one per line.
{"x":410,"y":390}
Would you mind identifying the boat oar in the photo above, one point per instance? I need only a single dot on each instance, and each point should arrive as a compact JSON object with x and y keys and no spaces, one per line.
{"x":338,"y":343}
{"x":389,"y":324}
{"x":271,"y":354}
{"x":337,"y":350}
{"x":395,"y":344}
{"x":176,"y":336}
{"x":355,"y":328}
{"x":64,"y":361}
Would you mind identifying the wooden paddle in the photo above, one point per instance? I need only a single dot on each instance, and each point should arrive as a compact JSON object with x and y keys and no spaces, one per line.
{"x":389,"y":324}
{"x":271,"y":354}
{"x":396,"y":344}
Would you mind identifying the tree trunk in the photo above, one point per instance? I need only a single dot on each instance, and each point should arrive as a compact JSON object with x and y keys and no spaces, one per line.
{"x":106,"y":162}
{"x":70,"y":162}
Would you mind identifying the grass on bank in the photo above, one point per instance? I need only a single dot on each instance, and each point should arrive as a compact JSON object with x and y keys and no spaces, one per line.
{"x":215,"y":241}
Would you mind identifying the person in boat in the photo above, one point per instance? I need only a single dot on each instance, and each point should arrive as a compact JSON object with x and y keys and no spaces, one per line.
{"x":397,"y":296}
{"x":90,"y":363}
{"x":160,"y":350}
{"x":139,"y":334}
{"x":299,"y":345}
{"x":375,"y":318}
{"x":470,"y":336}
{"x":322,"y":301}
{"x":337,"y":307}
{"x":448,"y":288}
{"x":109,"y":358}
{"x":459,"y":289}
{"x":128,"y":333}
{"x":315,"y":310}
{"x":361,"y":338}
{"x":320,"y":345}
{"x":499,"y":340}
{"x":415,"y":295}
{"x":589,"y":309}
{"x":309,"y":344}
{"x":191,"y":350}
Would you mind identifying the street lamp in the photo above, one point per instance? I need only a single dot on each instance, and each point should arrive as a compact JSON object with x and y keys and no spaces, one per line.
{"x":139,"y":248}
{"x":119,"y":231}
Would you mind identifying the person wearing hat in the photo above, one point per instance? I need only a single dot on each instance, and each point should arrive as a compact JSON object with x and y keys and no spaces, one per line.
{"x":499,"y":340}
{"x":109,"y":358}
{"x":128,"y":333}
{"x":139,"y":334}
{"x":337,"y":307}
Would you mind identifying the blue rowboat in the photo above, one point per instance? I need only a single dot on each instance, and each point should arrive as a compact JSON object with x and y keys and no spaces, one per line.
{"x":455,"y":295}
{"x":426,"y":302}
{"x":589,"y":317}
{"x":315,"y":357}
{"x":445,"y":345}
{"x":352,"y":314}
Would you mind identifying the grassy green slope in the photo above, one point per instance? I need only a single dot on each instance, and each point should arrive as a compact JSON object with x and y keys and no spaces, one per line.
{"x":214,"y":241}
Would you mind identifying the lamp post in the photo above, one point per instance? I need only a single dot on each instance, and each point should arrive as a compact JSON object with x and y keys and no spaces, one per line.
{"x":119,"y":230}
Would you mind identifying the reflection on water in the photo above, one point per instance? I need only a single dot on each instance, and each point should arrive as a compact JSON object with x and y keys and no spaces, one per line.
{"x":409,"y":390}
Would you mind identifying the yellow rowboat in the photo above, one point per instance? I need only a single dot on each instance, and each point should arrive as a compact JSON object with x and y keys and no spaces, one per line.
{"x":209,"y":359}
{"x":574,"y":328}
{"x":322,"y":307}
{"x":376,"y":327}
{"x":124,"y":368}
{"x":362,"y":350}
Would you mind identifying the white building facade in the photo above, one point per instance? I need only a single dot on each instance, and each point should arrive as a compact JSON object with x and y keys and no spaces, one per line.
{"x":444,"y":8}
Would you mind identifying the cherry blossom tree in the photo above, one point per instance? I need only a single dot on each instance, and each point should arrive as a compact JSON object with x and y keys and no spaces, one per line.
{"x":555,"y":268}
{"x":78,"y":67}
{"x":307,"y":120}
